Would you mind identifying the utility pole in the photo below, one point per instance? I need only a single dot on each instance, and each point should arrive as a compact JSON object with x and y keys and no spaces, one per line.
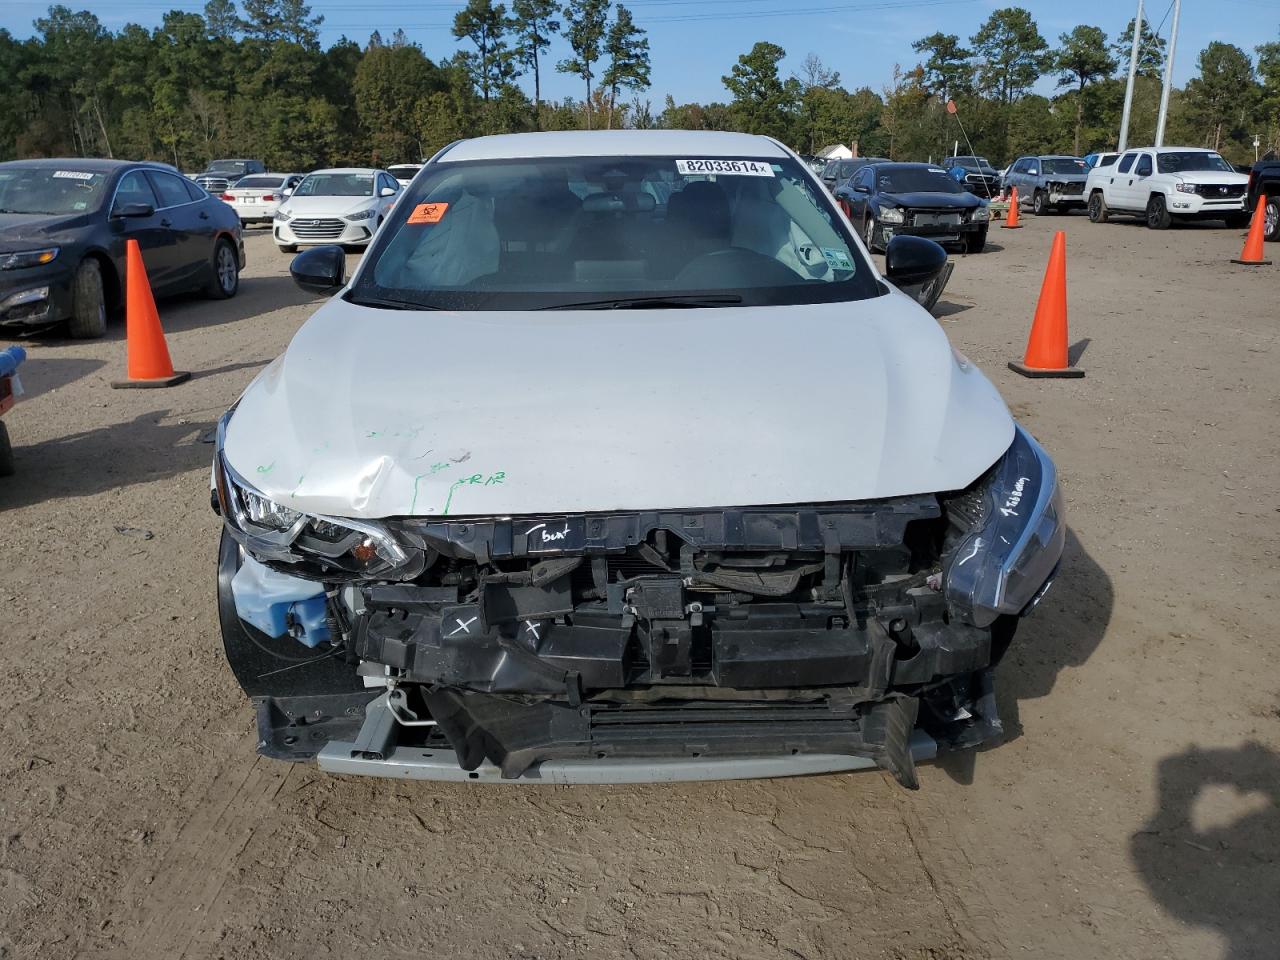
{"x":1168,"y":74}
{"x":1138,"y":27}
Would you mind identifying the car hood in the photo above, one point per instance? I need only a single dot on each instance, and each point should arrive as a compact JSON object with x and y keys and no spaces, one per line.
{"x":948,"y":201}
{"x":1212,"y":176}
{"x":376,"y":413}
{"x":326,"y":206}
{"x":19,"y":230}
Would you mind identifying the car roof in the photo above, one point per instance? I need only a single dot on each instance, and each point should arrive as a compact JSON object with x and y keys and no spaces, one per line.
{"x":1055,"y":156}
{"x":87,"y":164}
{"x":614,"y":143}
{"x":345,"y":170}
{"x":1173,"y":149}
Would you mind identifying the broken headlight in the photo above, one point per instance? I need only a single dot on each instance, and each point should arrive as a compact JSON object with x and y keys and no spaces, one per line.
{"x":314,"y":546}
{"x":1008,"y":555}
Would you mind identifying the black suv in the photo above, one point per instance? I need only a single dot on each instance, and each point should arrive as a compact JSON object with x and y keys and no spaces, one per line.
{"x":221,"y":174}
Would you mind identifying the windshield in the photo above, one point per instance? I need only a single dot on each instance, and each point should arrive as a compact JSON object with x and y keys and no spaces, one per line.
{"x":974,"y":163}
{"x":336,"y":185}
{"x":228,"y":166}
{"x":613,"y":232}
{"x":49,"y":191}
{"x":916,"y":180}
{"x":1192,"y":160}
{"x":264,"y":182}
{"x":1062,"y":165}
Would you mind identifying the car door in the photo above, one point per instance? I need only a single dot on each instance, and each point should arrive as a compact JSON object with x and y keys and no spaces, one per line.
{"x":387,"y":182}
{"x":861,"y":186}
{"x":1140,"y":184}
{"x":1122,"y":194}
{"x":155,"y":242}
{"x":191,"y":236}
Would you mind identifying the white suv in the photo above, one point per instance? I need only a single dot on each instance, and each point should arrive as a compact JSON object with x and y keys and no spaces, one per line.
{"x":1166,"y":183}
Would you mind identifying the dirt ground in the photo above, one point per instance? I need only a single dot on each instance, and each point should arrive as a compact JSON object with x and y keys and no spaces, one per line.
{"x":1134,"y":811}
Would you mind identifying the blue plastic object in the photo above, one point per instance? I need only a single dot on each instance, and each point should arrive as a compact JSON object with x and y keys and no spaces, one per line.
{"x":10,"y":359}
{"x":279,"y":605}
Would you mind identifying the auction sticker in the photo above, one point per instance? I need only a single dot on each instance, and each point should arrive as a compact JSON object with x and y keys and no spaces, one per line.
{"x":428,"y":213}
{"x":73,"y":175}
{"x":741,"y":168}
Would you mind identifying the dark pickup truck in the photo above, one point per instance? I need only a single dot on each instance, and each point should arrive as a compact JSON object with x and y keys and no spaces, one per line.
{"x":1264,"y":181}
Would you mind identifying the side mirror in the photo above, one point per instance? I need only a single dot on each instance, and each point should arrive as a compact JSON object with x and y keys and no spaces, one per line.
{"x":386,"y":192}
{"x":1033,"y":172}
{"x":320,"y":269}
{"x":913,"y":261}
{"x":287,"y":192}
{"x":861,"y":188}
{"x":133,"y":210}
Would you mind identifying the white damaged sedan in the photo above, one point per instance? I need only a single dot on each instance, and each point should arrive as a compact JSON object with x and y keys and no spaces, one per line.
{"x":618,"y":460}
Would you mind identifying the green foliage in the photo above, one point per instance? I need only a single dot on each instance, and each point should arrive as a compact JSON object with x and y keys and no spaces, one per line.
{"x":762,"y":101}
{"x":628,"y":51}
{"x":1011,"y":54}
{"x":1150,"y":51}
{"x":1081,"y":60}
{"x":534,"y":24}
{"x":1216,"y":106}
{"x":584,"y":29}
{"x":493,"y":64}
{"x":948,"y":71}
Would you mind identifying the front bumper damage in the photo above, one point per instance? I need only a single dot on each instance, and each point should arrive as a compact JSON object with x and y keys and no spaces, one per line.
{"x":645,"y":646}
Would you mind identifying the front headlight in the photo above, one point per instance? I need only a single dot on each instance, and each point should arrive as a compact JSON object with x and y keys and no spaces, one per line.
{"x":312,"y":546}
{"x":283,"y":215}
{"x":28,"y":258}
{"x":1008,"y":553}
{"x":1186,"y":187}
{"x":892,"y":215}
{"x":362,"y":214}
{"x":981,"y":214}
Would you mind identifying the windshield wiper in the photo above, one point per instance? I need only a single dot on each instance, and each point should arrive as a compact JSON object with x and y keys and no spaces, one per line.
{"x":652,"y":303}
{"x":386,"y":303}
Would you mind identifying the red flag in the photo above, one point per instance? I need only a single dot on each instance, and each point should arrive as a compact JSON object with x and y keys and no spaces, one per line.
{"x":951,"y":106}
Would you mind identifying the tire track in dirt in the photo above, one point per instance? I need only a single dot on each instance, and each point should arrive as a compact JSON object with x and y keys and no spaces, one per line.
{"x":166,"y":908}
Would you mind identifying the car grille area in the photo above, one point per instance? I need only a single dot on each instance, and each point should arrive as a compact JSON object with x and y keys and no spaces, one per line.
{"x":1220,"y":191}
{"x":328,"y":228}
{"x":214,"y":185}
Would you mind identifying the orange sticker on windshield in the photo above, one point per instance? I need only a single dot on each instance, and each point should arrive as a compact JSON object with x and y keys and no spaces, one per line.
{"x":428,"y":213}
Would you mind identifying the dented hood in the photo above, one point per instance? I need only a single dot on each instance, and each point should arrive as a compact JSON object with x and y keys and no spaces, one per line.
{"x":376,"y":413}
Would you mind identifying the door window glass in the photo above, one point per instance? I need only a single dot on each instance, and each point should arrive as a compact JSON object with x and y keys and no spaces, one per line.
{"x":135,"y":189}
{"x":1144,"y":166}
{"x":1127,"y":162}
{"x":172,"y":192}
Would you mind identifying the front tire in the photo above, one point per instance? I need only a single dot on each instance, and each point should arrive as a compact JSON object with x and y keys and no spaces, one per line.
{"x":869,"y":234}
{"x":975,"y":241}
{"x":226,"y":272}
{"x":88,"y":319}
{"x":287,"y":247}
{"x":1039,"y":203}
{"x":1158,"y":213}
{"x":1098,"y":211}
{"x":1238,"y":221}
{"x":6,"y":453}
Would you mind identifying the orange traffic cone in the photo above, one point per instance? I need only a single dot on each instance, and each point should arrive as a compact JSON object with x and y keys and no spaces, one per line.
{"x":1047,"y":346}
{"x":148,"y":355}
{"x":1253,"y":255}
{"x":1011,"y":218}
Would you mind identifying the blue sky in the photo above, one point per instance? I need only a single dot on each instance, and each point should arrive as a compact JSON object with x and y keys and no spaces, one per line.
{"x":694,"y":42}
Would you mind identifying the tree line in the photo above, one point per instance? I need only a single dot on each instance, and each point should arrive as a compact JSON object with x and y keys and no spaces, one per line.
{"x":252,"y":80}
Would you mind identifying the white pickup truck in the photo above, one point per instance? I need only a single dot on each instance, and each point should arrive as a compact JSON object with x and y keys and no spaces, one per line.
{"x":1163,"y":184}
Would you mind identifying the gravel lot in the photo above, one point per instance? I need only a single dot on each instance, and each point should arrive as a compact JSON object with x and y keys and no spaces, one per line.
{"x":1132,"y":813}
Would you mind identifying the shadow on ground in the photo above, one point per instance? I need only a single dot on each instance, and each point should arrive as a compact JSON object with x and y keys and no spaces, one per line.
{"x":1210,"y":854}
{"x":1066,"y":629}
{"x":149,"y":447}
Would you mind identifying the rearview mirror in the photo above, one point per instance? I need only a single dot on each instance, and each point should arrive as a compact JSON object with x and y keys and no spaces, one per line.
{"x":913,"y":261}
{"x":320,"y":269}
{"x":134,"y":210}
{"x":386,"y":192}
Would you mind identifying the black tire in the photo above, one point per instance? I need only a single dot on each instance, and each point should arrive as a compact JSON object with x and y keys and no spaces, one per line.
{"x":1039,"y":203}
{"x":287,"y":247}
{"x":224,"y":279}
{"x":88,"y":320}
{"x":1158,"y":213}
{"x":1238,"y":221}
{"x":6,"y":453}
{"x":1271,"y":217}
{"x":869,"y":233}
{"x":1098,"y":211}
{"x":975,"y":241}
